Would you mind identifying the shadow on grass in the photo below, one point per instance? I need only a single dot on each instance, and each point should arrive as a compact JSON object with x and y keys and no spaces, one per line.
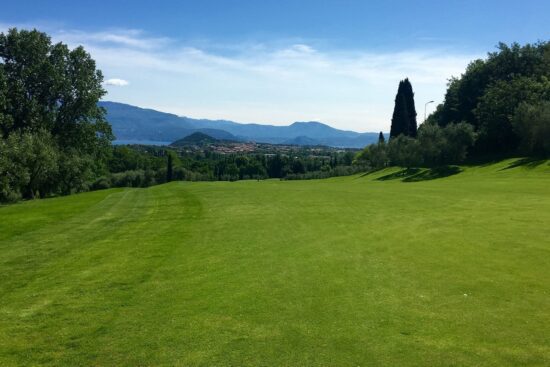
{"x":418,"y":174}
{"x":371,"y":172}
{"x":525,"y":162}
{"x":404,"y":173}
{"x":434,"y":173}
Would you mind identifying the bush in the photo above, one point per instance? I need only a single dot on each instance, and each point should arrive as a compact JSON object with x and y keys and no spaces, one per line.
{"x":29,"y":165}
{"x":101,"y":183}
{"x":432,"y":143}
{"x":75,"y":172}
{"x":405,"y":151}
{"x":447,"y":145}
{"x":134,"y":178}
{"x":373,"y":156}
{"x":532,"y":124}
{"x":459,"y":138}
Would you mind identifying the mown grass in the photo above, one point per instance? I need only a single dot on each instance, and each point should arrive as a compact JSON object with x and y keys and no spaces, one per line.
{"x":446,"y":271}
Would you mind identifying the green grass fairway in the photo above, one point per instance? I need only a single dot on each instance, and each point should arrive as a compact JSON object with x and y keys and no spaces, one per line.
{"x":353,"y":271}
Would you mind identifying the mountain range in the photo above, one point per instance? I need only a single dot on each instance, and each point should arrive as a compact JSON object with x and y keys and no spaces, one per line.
{"x":131,"y":123}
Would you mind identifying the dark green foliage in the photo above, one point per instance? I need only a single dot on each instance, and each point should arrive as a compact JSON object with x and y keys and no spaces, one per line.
{"x":52,"y":129}
{"x":134,"y":178}
{"x":53,"y":88}
{"x":405,"y":151}
{"x":169,"y":168}
{"x":130,"y":165}
{"x":435,"y":146}
{"x":432,"y":143}
{"x":532,"y":124}
{"x":404,"y":113}
{"x":447,"y":145}
{"x":275,"y":166}
{"x":29,"y":165}
{"x":496,"y":108}
{"x":487,"y":95}
{"x":411,"y":109}
{"x":459,"y":138}
{"x":374,"y":156}
{"x":400,"y":117}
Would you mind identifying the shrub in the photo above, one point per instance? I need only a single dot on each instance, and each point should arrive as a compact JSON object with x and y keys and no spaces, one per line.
{"x":101,"y":183}
{"x":532,"y":123}
{"x":134,"y":178}
{"x":29,"y":165}
{"x":373,"y":156}
{"x":405,"y":151}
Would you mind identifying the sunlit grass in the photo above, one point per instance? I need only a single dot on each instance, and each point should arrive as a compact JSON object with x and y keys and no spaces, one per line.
{"x":371,"y":270}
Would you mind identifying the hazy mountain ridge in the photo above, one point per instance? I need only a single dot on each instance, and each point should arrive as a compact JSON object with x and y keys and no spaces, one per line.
{"x":135,"y":123}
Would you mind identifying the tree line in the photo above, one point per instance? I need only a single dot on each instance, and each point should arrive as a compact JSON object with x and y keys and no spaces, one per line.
{"x":499,"y":107}
{"x":141,"y":166}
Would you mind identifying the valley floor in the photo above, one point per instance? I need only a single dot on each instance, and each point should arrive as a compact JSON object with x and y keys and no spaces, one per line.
{"x":352,"y":271}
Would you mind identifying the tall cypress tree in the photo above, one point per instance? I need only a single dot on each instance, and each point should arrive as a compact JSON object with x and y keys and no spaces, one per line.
{"x":404,"y":113}
{"x":409,"y":99}
{"x":400,"y":118}
{"x":381,"y":139}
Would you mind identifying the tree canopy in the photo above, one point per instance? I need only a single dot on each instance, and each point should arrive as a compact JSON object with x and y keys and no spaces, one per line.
{"x":487,"y":95}
{"x":48,"y":96}
{"x":404,"y":113}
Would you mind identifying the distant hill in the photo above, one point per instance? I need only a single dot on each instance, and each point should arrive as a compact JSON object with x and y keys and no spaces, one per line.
{"x":302,"y":140}
{"x":134,"y":123}
{"x":197,"y":138}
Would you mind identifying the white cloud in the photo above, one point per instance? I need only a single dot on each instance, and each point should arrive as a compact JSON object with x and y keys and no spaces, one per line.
{"x":278,"y":82}
{"x":347,"y":89}
{"x":116,"y":82}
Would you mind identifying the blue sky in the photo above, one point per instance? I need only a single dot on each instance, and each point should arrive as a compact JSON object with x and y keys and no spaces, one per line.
{"x":276,"y":62}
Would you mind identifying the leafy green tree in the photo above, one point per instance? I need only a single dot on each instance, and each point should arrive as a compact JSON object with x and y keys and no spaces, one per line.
{"x":75,"y":172}
{"x":297,"y":166}
{"x":29,"y":165}
{"x":405,"y":151}
{"x":48,"y":88}
{"x":490,"y":90}
{"x":459,"y":138}
{"x":4,"y":117}
{"x":13,"y":177}
{"x":275,"y":166}
{"x":532,"y":124}
{"x":496,"y":108}
{"x":432,"y":142}
{"x":373,"y":156}
{"x":169,"y":168}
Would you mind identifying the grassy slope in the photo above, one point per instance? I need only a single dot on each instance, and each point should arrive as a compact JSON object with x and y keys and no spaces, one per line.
{"x":348,"y":271}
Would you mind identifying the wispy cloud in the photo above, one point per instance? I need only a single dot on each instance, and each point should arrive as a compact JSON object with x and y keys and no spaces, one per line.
{"x":116,"y":82}
{"x":265,"y":82}
{"x":131,"y":38}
